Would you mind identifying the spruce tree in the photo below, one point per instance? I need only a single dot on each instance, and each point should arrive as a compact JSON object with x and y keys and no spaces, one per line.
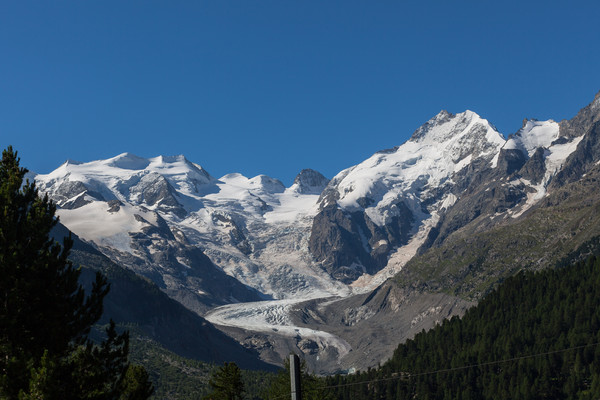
{"x":226,"y":383}
{"x":45,"y":314}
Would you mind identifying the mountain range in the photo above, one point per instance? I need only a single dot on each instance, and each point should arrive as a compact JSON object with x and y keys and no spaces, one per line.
{"x":343,"y":270}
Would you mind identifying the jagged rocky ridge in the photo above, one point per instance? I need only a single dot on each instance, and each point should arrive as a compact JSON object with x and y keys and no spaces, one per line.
{"x":456,"y":178}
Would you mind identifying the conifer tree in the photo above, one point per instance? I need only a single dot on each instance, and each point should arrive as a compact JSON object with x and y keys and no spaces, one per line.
{"x":226,"y":383}
{"x":45,"y":314}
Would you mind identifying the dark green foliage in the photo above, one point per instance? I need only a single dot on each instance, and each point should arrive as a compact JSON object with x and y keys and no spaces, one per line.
{"x":45,"y":315}
{"x":173,"y":376}
{"x":136,"y":384}
{"x":176,"y":377}
{"x":226,"y":383}
{"x":528,"y":321}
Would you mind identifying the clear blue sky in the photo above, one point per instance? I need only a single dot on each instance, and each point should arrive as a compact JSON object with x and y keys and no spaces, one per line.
{"x":277,"y":86}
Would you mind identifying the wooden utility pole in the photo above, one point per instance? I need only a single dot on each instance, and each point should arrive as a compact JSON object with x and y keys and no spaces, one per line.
{"x":295,"y":377}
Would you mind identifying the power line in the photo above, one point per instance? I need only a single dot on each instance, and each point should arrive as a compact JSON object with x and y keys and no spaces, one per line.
{"x":485,"y":364}
{"x":439,"y":371}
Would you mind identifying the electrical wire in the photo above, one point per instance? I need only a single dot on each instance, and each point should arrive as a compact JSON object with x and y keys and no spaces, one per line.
{"x":445,"y":370}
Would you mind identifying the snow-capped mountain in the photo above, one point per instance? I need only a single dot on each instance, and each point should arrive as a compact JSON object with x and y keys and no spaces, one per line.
{"x":208,"y":242}
{"x":309,"y":240}
{"x":384,"y":200}
{"x":161,"y":216}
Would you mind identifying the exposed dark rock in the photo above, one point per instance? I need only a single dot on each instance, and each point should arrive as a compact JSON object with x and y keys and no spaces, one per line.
{"x":71,"y":195}
{"x":309,"y":181}
{"x":68,"y":190}
{"x":153,"y":189}
{"x":161,"y":229}
{"x":510,"y":160}
{"x":336,"y":242}
{"x":586,"y":154}
{"x":486,"y":200}
{"x":308,"y":346}
{"x":237,"y":232}
{"x":350,"y":244}
{"x":535,"y":168}
{"x":583,"y":121}
{"x":586,"y":122}
{"x":264,"y":207}
{"x":114,"y":206}
{"x":75,"y":203}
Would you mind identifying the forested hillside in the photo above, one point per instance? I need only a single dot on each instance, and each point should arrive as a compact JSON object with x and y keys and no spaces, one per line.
{"x":536,"y":336}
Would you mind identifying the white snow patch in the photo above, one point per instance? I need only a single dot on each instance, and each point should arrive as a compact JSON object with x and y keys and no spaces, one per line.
{"x":381,"y":243}
{"x":92,"y":222}
{"x":536,"y":134}
{"x":183,"y":262}
{"x":464,"y":162}
{"x":511,"y":144}
{"x":291,"y":207}
{"x":448,"y":201}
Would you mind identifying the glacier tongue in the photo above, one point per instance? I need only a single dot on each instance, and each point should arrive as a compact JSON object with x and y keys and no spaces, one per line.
{"x":273,"y":316}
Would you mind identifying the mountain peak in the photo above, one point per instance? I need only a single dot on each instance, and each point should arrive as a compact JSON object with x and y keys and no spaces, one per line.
{"x":128,"y":161}
{"x":583,"y":120}
{"x":536,"y":134}
{"x":445,"y":127}
{"x":71,"y":162}
{"x":267,"y":184}
{"x":309,"y":181}
{"x":170,"y":159}
{"x":439,"y":119}
{"x":596,"y":103}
